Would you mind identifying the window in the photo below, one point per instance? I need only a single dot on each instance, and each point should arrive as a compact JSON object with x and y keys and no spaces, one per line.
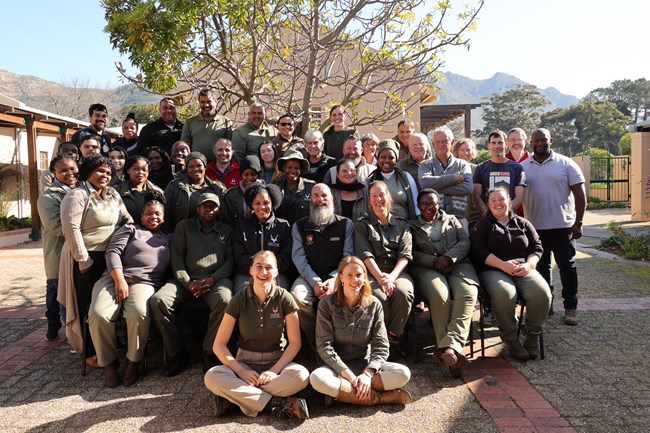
{"x":43,"y":161}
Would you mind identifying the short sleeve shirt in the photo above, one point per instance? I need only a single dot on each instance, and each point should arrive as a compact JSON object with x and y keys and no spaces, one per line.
{"x":261,"y":326}
{"x":506,"y":175}
{"x":548,"y":199}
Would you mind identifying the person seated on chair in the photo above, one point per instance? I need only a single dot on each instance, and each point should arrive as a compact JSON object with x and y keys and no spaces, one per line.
{"x":352,"y":342}
{"x":137,"y":262}
{"x":383,"y":241}
{"x":505,"y":250}
{"x":444,"y":277}
{"x":202,"y":262}
{"x":262,"y":230}
{"x":263,"y":375}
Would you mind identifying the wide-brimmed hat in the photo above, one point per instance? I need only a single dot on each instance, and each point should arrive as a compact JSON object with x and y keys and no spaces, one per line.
{"x":293,"y":154}
{"x":208,"y":196}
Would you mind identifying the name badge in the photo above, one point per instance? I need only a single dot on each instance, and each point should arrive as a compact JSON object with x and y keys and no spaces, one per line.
{"x":335,"y":239}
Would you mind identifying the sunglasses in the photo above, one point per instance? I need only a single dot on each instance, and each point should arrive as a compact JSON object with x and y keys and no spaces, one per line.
{"x":286,"y":124}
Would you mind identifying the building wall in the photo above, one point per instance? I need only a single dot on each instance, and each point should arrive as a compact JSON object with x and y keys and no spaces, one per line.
{"x":13,"y":158}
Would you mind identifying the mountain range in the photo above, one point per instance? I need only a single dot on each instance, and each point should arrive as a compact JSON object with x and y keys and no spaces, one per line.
{"x":458,"y":89}
{"x":73,"y":97}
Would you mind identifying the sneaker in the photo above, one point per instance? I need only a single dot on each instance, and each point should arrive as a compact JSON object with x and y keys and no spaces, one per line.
{"x":517,"y":351}
{"x":570,"y":317}
{"x":52,"y":331}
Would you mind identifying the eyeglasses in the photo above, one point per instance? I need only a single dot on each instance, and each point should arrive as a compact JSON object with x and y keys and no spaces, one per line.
{"x":286,"y":124}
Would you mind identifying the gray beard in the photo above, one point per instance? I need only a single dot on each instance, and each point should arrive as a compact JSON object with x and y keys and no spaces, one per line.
{"x":321,"y":215}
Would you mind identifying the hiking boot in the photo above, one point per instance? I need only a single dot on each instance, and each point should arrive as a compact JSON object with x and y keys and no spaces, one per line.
{"x":517,"y":351}
{"x":221,"y":405}
{"x":531,"y":343}
{"x":131,"y":373}
{"x":291,"y":407}
{"x":111,"y":375}
{"x":52,"y":331}
{"x":176,"y":363}
{"x":570,"y":317}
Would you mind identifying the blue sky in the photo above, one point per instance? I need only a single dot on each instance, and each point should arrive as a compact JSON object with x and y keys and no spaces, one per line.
{"x":573,"y":45}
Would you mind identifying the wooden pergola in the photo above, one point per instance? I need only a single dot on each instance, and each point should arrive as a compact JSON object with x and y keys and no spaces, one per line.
{"x":15,"y":114}
{"x":432,"y":116}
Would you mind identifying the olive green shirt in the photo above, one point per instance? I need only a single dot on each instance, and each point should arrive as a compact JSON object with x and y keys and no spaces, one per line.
{"x":345,"y":335}
{"x":385,"y":244}
{"x":261,"y":326}
{"x":198,"y":253}
{"x":202,"y":134}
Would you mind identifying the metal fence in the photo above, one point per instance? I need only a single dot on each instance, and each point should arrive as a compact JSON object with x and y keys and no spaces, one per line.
{"x":610,"y":179}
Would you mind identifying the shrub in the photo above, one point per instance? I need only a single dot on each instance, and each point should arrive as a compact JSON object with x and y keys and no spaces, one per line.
{"x":622,"y":243}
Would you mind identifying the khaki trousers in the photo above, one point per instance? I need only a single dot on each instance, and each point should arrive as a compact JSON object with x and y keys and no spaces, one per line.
{"x":104,"y":311}
{"x":397,"y":307}
{"x":452,"y":300}
{"x":303,"y":293}
{"x":326,"y":381}
{"x":171,"y":296}
{"x":222,"y":381}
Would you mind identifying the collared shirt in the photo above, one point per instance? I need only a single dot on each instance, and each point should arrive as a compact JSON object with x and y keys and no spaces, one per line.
{"x":261,"y":326}
{"x":201,"y":253}
{"x":434,"y":231}
{"x":385,"y":244}
{"x":548,"y":199}
{"x":344,"y":335}
{"x":202,"y":133}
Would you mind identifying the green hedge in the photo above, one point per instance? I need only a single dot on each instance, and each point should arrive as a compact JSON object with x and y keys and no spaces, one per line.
{"x":13,"y":223}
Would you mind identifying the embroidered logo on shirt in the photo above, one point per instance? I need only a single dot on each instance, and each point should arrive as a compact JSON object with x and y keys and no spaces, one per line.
{"x":222,"y":238}
{"x":274,"y":241}
{"x":275,"y":313}
{"x":309,"y":239}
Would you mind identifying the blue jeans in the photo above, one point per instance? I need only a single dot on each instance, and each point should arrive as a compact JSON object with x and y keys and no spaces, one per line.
{"x":557,"y":242}
{"x":52,"y":311}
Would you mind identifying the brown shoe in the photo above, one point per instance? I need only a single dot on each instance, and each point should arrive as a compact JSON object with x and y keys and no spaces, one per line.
{"x":292,"y":407}
{"x":448,"y":356}
{"x":516,"y":350}
{"x":570,"y":317}
{"x":455,"y":369}
{"x":111,"y":375}
{"x":131,"y":373}
{"x":91,"y":362}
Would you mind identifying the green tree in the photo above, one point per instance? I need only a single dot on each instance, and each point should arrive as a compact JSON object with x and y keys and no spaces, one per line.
{"x":519,"y":107}
{"x":631,"y":97}
{"x":625,"y":145}
{"x":144,"y":113}
{"x":286,"y":53}
{"x":586,"y":125}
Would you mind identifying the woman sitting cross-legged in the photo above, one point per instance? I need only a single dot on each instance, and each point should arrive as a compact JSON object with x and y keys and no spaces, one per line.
{"x":444,"y":277}
{"x":137,"y":261}
{"x":505,"y":250}
{"x":262,"y":376}
{"x":352,"y":342}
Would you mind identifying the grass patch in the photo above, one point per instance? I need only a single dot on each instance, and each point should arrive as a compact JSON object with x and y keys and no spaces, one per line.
{"x":623,"y":244}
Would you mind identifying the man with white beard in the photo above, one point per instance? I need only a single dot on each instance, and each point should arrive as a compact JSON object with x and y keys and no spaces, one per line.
{"x":320,"y":242}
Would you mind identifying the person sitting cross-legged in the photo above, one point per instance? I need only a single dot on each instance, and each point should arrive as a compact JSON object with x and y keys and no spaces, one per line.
{"x":353,"y":343}
{"x":262,"y":376}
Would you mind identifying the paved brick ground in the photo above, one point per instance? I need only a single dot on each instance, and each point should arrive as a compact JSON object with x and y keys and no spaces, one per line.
{"x":594,"y":377}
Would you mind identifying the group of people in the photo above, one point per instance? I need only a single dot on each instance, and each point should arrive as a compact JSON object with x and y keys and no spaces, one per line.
{"x":334,"y":236}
